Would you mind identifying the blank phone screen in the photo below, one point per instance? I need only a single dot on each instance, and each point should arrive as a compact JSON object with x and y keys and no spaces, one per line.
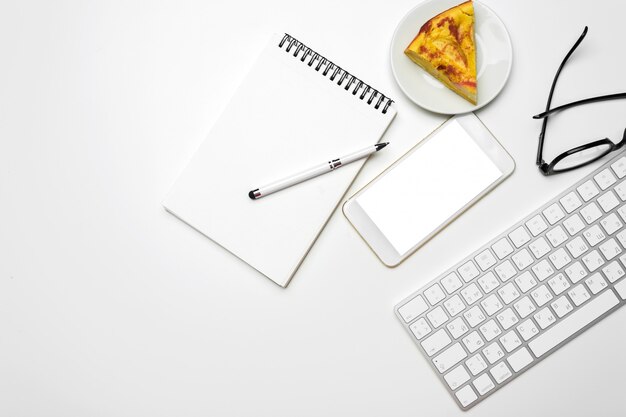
{"x":428,"y":187}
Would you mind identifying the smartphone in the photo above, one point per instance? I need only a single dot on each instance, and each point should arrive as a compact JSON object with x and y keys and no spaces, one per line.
{"x":427,"y":188}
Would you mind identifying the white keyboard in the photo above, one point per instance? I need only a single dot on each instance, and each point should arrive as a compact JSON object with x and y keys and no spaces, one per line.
{"x":526,"y":293}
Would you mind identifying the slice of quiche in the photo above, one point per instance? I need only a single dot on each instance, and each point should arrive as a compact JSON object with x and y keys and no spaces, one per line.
{"x":445,"y":48}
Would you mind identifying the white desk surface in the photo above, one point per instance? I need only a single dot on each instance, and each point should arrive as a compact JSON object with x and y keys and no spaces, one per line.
{"x":109,"y":306}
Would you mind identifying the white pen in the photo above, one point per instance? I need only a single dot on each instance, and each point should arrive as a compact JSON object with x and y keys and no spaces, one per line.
{"x":314,"y":172}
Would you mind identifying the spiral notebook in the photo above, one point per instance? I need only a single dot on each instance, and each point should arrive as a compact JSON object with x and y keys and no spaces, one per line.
{"x":295,"y":109}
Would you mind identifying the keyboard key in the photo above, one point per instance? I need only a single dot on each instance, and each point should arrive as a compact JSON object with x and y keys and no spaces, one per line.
{"x":572,"y":324}
{"x":473,"y":342}
{"x":579,"y":295}
{"x":576,"y":272}
{"x":554,"y":213}
{"x":605,"y":178}
{"x":493,"y":353}
{"x":490,"y":330}
{"x":491,"y":304}
{"x":420,"y":328}
{"x":571,"y":202}
{"x":483,"y":384}
{"x":508,"y":293}
{"x":608,"y":201}
{"x":436,"y":342}
{"x":510,"y":341}
{"x":488,"y":282}
{"x":519,"y":237}
{"x":454,"y":305}
{"x":557,"y":236}
{"x":613,"y":271}
{"x":434,"y":294}
{"x":520,"y":359}
{"x":437,"y":317}
{"x":561,"y":306}
{"x":611,"y":224}
{"x":502,"y":248}
{"x":593,"y":260}
{"x":457,"y":377}
{"x":545,"y":318}
{"x":450,"y":357}
{"x":527,"y":330}
{"x":524,"y":307}
{"x":610,"y":249}
{"x":522,"y":259}
{"x":451,"y":282}
{"x":468,"y":271}
{"x":536,"y":225}
{"x":543,"y":269}
{"x":588,"y":190}
{"x":525,"y":281}
{"x":596,"y":283}
{"x":466,"y":395}
{"x":594,"y":235}
{"x":573,"y":224}
{"x":476,"y":364}
{"x":471,"y":294}
{"x":558,"y":284}
{"x":541,"y":295}
{"x":619,"y":167}
{"x":507,"y":319}
{"x":539,"y":247}
{"x":591,"y":213}
{"x":577,"y":246}
{"x":485,"y":260}
{"x":559,"y":258}
{"x":505,"y":271}
{"x":474,"y":316}
{"x":413,"y":309}
{"x":457,"y":327}
{"x":500,"y":372}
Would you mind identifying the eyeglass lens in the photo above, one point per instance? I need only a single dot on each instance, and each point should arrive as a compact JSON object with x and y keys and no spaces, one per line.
{"x":582,"y":157}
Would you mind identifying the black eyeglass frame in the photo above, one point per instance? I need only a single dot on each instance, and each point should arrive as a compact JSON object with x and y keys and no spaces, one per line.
{"x":548,"y":169}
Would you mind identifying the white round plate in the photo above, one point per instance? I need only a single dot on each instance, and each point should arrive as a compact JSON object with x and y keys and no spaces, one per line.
{"x":494,"y":58}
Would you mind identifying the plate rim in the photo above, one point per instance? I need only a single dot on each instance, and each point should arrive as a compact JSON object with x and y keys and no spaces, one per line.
{"x":446,"y":112}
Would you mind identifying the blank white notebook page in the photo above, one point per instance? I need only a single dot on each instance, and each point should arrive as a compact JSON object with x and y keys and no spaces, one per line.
{"x":284,"y":118}
{"x":428,"y":187}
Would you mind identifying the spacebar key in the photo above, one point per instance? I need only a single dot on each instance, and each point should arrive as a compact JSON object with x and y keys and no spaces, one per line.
{"x":572,"y":324}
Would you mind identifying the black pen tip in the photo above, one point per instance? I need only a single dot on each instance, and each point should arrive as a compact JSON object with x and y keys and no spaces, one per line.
{"x":379,"y":146}
{"x":251,"y":194}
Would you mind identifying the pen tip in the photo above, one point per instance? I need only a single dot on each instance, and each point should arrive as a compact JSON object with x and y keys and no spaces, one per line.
{"x":252,"y":195}
{"x":379,"y":146}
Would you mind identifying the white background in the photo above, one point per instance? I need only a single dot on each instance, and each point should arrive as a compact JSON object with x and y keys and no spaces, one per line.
{"x":109,"y":306}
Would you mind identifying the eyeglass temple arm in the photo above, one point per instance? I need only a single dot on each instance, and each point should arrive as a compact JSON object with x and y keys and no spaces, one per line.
{"x":556,"y":77}
{"x":580,"y":102}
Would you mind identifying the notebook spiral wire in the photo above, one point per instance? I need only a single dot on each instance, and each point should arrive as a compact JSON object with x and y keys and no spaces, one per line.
{"x":334,"y":72}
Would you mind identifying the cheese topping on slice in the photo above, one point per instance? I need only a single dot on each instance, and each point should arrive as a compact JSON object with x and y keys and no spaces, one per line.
{"x":445,"y":48}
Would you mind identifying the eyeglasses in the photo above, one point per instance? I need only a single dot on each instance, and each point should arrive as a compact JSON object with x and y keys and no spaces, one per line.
{"x":581,"y":155}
